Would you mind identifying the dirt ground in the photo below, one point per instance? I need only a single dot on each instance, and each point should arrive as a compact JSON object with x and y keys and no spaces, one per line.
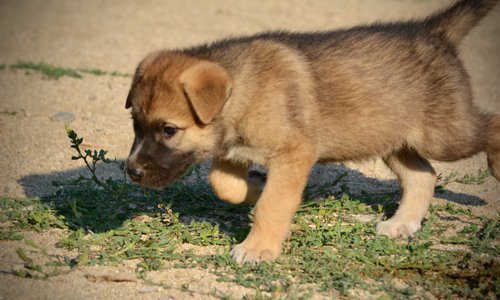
{"x":113,"y":36}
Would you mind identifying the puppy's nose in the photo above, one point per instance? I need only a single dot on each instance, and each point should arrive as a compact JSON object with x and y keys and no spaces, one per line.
{"x":135,"y":173}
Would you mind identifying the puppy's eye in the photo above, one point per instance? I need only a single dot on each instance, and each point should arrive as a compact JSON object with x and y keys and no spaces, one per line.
{"x":169,"y":131}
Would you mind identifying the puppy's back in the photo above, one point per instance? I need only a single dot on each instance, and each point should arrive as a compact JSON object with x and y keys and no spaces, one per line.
{"x":384,"y":86}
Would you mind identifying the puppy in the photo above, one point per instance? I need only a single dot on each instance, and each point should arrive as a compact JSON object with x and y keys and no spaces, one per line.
{"x":288,"y":100}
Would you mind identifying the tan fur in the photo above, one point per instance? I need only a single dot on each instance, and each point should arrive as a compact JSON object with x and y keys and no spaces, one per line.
{"x":417,"y":179}
{"x":493,"y":146}
{"x":231,"y":183}
{"x":288,"y":100}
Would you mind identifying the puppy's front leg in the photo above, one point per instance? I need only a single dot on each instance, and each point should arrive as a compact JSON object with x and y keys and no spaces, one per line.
{"x":274,"y":210}
{"x":231,"y":182}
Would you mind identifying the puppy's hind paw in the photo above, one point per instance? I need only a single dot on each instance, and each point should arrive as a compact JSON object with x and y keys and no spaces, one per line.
{"x":398,"y":228}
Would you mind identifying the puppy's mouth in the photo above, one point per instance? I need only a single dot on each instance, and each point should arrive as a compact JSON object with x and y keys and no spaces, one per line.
{"x":157,"y":177}
{"x":157,"y":166}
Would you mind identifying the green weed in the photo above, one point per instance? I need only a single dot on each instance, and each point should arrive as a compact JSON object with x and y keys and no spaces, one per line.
{"x":119,"y":74}
{"x":95,"y":72}
{"x":477,"y":179}
{"x":54,"y":72}
{"x":54,"y":265}
{"x":86,"y":155}
{"x":8,"y":112}
{"x":47,"y":70}
{"x":480,"y":178}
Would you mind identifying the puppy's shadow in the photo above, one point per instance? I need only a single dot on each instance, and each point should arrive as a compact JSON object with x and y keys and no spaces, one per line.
{"x":73,"y":195}
{"x":372,"y":190}
{"x":192,"y":197}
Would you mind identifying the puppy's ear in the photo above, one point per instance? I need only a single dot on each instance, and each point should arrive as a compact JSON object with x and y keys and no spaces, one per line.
{"x":138,"y":75}
{"x":207,"y":86}
{"x":133,"y":86}
{"x":128,"y":104}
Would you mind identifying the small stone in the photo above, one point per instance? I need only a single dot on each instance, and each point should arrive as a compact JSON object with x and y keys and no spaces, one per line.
{"x":63,"y":116}
{"x":148,"y":290}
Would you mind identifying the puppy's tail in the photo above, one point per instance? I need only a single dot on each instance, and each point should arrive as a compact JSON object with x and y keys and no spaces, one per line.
{"x":456,"y":21}
{"x":493,"y":145}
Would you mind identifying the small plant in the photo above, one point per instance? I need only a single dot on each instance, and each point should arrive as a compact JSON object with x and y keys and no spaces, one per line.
{"x":86,"y":155}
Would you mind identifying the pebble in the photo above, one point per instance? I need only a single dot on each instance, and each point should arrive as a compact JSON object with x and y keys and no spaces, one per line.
{"x":148,"y":290}
{"x":63,"y":116}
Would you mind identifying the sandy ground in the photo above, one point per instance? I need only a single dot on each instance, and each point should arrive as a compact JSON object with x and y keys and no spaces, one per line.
{"x":113,"y":36}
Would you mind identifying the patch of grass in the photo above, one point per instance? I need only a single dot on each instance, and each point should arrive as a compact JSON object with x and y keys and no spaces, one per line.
{"x":8,"y":112}
{"x":119,"y":74}
{"x":95,"y":72}
{"x":30,"y":213}
{"x":480,"y":178}
{"x":2,"y":66}
{"x":55,"y":72}
{"x":333,"y":249}
{"x":477,"y":179}
{"x":10,"y":236}
{"x":49,"y":71}
{"x":54,"y":265}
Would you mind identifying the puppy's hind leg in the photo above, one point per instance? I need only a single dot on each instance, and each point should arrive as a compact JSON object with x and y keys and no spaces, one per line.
{"x":232,"y":183}
{"x":417,"y":179}
{"x":493,"y":146}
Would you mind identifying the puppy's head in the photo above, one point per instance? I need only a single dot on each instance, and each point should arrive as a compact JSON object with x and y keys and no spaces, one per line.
{"x":175,"y":100}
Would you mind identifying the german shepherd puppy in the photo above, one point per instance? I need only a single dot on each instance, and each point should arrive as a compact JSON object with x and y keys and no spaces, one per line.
{"x":288,"y":100}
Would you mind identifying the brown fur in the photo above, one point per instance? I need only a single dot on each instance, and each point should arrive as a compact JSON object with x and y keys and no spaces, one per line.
{"x":288,"y":100}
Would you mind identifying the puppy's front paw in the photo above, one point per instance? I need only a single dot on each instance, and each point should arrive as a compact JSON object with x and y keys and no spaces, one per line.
{"x":398,"y":227}
{"x":254,"y":252}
